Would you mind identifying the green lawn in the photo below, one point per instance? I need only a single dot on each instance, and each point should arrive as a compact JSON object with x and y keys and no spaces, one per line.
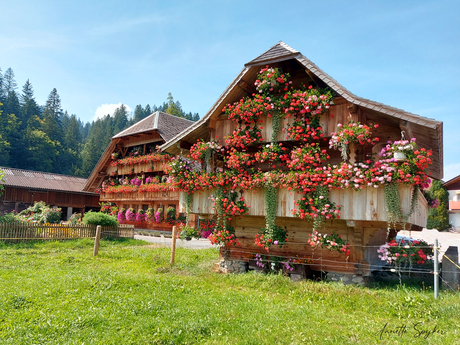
{"x":57,"y":293}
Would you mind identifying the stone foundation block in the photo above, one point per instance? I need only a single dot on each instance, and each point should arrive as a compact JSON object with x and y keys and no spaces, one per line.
{"x":233,"y":266}
{"x":346,"y":279}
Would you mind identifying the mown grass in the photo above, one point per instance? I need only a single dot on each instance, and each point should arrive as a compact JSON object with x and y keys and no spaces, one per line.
{"x":57,"y":293}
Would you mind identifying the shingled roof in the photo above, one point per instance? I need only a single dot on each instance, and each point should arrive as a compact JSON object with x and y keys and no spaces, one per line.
{"x":42,"y":180}
{"x":167,"y":125}
{"x":425,"y":128}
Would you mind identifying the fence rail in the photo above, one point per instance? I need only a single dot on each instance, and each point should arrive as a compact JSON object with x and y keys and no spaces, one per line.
{"x":19,"y":231}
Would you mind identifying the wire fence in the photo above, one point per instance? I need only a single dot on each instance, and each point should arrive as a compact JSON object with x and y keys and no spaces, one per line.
{"x":268,"y":259}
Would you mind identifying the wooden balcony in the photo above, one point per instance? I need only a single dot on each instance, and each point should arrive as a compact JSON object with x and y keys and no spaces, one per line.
{"x":365,"y":205}
{"x":136,"y":168}
{"x":147,"y":196}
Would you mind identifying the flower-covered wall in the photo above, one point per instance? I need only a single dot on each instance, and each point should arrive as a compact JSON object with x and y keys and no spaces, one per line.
{"x":283,"y":165}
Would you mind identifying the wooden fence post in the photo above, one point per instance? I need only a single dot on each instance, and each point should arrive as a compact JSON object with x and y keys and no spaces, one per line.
{"x":173,"y":244}
{"x":96,"y":240}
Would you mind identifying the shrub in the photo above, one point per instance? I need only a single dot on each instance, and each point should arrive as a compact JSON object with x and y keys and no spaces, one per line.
{"x":99,"y":218}
{"x":41,"y":213}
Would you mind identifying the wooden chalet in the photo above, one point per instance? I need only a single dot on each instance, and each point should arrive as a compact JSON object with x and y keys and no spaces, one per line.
{"x":363,"y":220}
{"x":24,"y":187}
{"x":138,"y":141}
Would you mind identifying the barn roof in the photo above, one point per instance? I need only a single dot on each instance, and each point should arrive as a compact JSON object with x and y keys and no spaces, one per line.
{"x":167,"y":125}
{"x":43,"y":180}
{"x":427,"y":131}
{"x":453,"y":183}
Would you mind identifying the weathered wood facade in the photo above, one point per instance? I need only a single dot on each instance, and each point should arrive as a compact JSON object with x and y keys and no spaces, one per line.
{"x":363,"y":220}
{"x":145,"y":135}
{"x":24,"y":187}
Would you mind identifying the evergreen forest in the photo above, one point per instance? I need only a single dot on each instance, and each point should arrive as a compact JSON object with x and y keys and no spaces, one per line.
{"x":44,"y":137}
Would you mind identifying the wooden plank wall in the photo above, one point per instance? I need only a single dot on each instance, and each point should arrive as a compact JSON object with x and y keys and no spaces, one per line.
{"x":337,"y":114}
{"x":367,"y":204}
{"x":61,"y":199}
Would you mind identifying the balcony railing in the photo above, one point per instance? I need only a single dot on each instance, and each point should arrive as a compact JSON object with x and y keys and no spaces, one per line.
{"x":135,"y":196}
{"x":454,"y":205}
{"x":367,"y":204}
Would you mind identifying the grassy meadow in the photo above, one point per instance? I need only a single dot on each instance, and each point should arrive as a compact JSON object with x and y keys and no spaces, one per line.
{"x":58,"y":293}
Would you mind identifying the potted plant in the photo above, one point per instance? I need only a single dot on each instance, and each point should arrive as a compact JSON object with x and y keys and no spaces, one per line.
{"x":187,"y":232}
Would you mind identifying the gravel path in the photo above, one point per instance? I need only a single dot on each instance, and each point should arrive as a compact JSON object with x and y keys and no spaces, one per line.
{"x":192,"y":244}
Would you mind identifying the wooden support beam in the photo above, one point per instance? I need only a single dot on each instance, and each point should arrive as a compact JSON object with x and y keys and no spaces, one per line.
{"x":406,"y":127}
{"x":247,"y":87}
{"x":185,"y":145}
{"x":318,"y":82}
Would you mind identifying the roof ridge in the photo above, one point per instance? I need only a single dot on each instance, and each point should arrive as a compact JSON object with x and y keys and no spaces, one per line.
{"x":135,"y":124}
{"x":275,"y":52}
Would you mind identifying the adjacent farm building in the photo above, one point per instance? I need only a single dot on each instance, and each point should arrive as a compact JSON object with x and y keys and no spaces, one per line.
{"x":453,"y":188}
{"x":292,"y":165}
{"x":130,"y":178}
{"x":24,"y":187}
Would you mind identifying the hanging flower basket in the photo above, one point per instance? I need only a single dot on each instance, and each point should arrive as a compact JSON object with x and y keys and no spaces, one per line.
{"x":400,"y":156}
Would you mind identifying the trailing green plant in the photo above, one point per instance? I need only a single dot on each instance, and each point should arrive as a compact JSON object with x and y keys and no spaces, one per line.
{"x":271,"y":234}
{"x":394,"y":210}
{"x":276,"y":126}
{"x":393,"y":204}
{"x":271,"y":206}
{"x":188,"y":204}
{"x":99,"y":218}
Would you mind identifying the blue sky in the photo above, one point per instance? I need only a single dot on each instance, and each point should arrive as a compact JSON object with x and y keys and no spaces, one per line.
{"x":405,"y":54}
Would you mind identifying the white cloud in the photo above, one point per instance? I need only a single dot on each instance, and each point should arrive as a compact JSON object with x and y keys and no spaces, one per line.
{"x":108,"y":109}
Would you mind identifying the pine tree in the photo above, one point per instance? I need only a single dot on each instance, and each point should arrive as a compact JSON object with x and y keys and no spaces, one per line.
{"x":9,"y":84}
{"x":52,"y":116}
{"x":173,"y":108}
{"x":4,"y":144}
{"x":138,"y":113}
{"x":29,"y":106}
{"x":2,"y":92}
{"x":147,"y":111}
{"x":42,"y":151}
{"x":27,"y":92}
{"x":120,"y":116}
